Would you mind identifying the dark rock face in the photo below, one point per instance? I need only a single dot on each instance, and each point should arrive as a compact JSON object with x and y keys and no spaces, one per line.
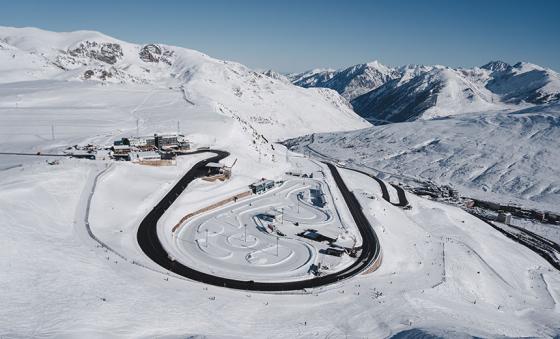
{"x":106,"y":52}
{"x":99,"y":74}
{"x":155,"y":53}
{"x":150,"y":53}
{"x":497,"y":66}
{"x":88,"y":74}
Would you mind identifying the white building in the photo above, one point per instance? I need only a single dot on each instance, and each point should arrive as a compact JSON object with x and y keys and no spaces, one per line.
{"x":138,"y":141}
{"x":144,"y":156}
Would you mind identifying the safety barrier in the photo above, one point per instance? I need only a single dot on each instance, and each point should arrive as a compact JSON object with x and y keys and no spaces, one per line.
{"x":209,"y":208}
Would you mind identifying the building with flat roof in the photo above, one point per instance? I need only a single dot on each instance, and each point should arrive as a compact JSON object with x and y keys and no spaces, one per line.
{"x":144,"y":156}
{"x":157,"y":140}
{"x":262,"y":186}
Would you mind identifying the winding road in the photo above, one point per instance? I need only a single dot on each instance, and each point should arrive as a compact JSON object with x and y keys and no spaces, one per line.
{"x":149,"y":242}
{"x":403,"y":201}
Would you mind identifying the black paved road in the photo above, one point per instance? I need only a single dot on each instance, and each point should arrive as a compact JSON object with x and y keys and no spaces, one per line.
{"x":403,"y":201}
{"x":149,"y":242}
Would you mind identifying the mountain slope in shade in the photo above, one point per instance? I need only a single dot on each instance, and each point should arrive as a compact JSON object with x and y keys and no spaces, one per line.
{"x":228,"y":88}
{"x":441,"y":91}
{"x":427,"y":93}
{"x":525,"y":82}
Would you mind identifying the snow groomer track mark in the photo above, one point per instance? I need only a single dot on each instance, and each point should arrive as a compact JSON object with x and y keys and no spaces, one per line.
{"x":149,"y":242}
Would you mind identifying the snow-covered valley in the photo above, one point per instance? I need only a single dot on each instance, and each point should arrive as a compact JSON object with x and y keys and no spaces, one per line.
{"x":512,"y":158}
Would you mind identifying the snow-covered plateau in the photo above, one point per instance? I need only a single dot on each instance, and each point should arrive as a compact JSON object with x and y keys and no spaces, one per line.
{"x":71,"y":263}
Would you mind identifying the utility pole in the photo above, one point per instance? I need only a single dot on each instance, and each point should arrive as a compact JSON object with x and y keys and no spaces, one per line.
{"x":282,"y":209}
{"x":137,"y":129}
{"x":178,"y":128}
{"x":52,"y":131}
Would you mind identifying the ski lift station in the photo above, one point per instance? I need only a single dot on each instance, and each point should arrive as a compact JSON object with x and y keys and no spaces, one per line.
{"x":262,"y":186}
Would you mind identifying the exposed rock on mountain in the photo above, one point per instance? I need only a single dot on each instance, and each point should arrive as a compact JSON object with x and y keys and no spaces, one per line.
{"x":105,"y":51}
{"x":155,"y":53}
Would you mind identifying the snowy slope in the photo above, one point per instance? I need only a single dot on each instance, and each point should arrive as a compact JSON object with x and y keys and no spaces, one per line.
{"x":443,"y":271}
{"x":498,"y":157}
{"x":312,"y":78}
{"x":525,"y":82}
{"x":429,"y":92}
{"x":228,"y":87}
{"x":277,"y":76}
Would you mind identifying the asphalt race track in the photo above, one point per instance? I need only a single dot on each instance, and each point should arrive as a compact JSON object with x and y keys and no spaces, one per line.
{"x":149,"y":242}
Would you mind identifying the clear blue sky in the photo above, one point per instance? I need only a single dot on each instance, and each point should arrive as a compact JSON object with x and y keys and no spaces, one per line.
{"x":297,"y":35}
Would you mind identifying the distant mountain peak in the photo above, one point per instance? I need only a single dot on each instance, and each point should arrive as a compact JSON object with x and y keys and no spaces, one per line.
{"x":496,"y":66}
{"x":374,"y":63}
{"x":377,"y":65}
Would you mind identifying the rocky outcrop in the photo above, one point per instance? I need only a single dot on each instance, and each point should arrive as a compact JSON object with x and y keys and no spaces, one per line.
{"x":155,"y":53}
{"x":106,"y":52}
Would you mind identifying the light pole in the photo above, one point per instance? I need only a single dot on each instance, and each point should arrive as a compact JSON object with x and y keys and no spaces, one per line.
{"x":245,"y":234}
{"x":277,"y":245}
{"x":206,"y":238}
{"x":282,"y":215}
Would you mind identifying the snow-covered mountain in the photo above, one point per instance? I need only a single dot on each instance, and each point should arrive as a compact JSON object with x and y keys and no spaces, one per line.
{"x":524,"y":82}
{"x":384,"y":95}
{"x":317,"y":77}
{"x":277,"y":76}
{"x":426,"y":92}
{"x":350,"y":82}
{"x":30,"y":54}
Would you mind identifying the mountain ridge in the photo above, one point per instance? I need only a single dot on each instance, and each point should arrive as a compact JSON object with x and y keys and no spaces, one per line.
{"x":413,"y":92}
